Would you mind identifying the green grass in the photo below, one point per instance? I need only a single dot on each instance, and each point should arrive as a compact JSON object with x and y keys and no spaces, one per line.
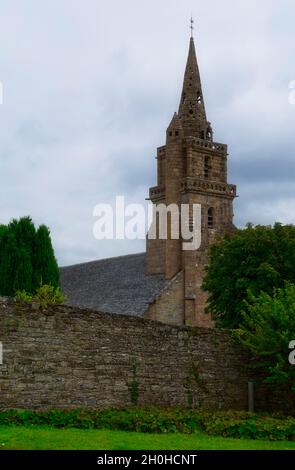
{"x":45,"y":438}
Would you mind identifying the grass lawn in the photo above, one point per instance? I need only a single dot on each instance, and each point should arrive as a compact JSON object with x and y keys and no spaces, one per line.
{"x":45,"y":438}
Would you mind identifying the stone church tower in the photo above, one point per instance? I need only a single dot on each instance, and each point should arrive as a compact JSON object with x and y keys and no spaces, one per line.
{"x":192,"y":169}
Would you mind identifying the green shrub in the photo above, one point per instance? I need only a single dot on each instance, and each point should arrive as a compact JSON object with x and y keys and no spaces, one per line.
{"x":45,"y":296}
{"x":250,"y":426}
{"x":154,"y":420}
{"x":23,"y":297}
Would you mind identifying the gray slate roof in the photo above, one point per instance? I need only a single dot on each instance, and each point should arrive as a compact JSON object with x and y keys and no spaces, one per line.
{"x":115,"y":285}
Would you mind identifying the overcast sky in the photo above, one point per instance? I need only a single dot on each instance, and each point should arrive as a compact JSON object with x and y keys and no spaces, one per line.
{"x":91,"y":85}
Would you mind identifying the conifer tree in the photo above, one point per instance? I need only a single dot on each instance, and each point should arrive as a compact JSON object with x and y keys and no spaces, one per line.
{"x":25,"y":234}
{"x":26,"y":258}
{"x":7,"y":264}
{"x":45,"y":265}
{"x":23,"y":272}
{"x":3,"y":231}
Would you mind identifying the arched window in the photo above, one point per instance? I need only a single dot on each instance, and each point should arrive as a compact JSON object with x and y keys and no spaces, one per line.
{"x":210,"y":217}
{"x":206,"y":167}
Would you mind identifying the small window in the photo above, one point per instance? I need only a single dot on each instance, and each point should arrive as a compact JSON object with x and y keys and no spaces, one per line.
{"x":171,"y":133}
{"x":176,"y":133}
{"x":210,"y":218}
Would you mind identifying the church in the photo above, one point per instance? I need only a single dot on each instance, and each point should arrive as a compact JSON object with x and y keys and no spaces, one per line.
{"x":165,"y":283}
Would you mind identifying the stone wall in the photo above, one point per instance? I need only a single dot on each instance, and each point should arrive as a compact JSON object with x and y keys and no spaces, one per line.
{"x":168,"y":306}
{"x":66,"y":357}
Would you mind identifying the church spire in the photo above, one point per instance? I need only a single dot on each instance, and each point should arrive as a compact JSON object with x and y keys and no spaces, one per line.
{"x":192,"y":109}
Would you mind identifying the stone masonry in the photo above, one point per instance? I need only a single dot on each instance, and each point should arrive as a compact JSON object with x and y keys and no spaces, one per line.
{"x":192,"y":169}
{"x":67,"y":357}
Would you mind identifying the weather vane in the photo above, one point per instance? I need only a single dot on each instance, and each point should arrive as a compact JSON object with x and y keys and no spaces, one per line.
{"x":192,"y":26}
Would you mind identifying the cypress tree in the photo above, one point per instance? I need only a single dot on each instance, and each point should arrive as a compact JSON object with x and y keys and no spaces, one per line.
{"x":26,"y":258}
{"x":46,"y":270}
{"x":8,"y":260}
{"x":23,"y":272}
{"x":3,"y":232}
{"x":25,"y":234}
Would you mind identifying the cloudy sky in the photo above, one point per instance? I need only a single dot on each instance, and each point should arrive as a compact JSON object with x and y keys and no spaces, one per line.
{"x":91,"y":85}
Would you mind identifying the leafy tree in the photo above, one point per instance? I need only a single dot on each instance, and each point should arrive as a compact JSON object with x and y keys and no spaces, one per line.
{"x":45,"y":267}
{"x":255,"y":259}
{"x":267,"y":330}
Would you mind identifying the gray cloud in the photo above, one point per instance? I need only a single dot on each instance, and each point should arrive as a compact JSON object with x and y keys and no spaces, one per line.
{"x":90,"y":87}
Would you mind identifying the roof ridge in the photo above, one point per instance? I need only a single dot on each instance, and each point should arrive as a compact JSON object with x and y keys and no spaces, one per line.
{"x":103,"y":259}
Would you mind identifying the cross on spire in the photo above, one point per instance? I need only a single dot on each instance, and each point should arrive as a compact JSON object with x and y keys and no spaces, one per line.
{"x":192,"y":27}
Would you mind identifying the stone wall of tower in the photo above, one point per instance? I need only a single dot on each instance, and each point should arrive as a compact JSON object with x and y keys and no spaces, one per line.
{"x":205,"y":184}
{"x":155,"y":257}
{"x":192,"y":169}
{"x":175,"y":167}
{"x":156,"y":248}
{"x":168,"y":307}
{"x":206,"y":164}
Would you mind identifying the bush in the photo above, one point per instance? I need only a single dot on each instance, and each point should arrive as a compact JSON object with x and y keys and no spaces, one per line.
{"x":250,"y":426}
{"x":267,"y":329}
{"x":153,"y":420}
{"x":45,"y":296}
{"x":256,"y":259}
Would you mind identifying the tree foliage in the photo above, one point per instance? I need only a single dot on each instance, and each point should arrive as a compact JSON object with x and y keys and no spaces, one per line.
{"x":26,"y":258}
{"x":267,"y":330}
{"x":46,"y":270}
{"x":8,"y":255}
{"x":255,"y":259}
